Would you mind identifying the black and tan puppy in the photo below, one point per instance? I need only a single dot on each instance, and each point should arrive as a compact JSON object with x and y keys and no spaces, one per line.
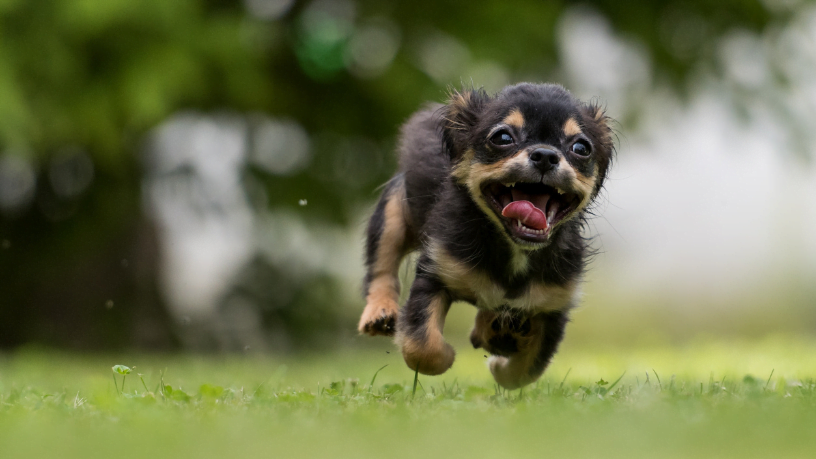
{"x":492,"y":191}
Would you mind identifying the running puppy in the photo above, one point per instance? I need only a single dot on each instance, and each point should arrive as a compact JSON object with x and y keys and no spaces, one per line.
{"x":492,"y":191}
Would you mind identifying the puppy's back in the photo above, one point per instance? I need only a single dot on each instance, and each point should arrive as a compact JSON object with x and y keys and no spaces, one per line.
{"x":423,"y":162}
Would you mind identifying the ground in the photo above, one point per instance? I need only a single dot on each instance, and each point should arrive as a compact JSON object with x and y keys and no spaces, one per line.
{"x":709,"y":398}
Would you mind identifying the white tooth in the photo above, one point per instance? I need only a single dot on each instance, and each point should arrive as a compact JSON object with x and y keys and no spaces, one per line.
{"x":511,"y":185}
{"x":551,"y":214}
{"x":519,"y":223}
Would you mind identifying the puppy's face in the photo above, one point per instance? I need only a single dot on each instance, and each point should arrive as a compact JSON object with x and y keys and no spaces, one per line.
{"x":532,"y":158}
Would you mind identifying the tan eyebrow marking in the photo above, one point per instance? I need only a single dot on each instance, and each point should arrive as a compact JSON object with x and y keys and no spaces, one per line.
{"x":571,"y":128}
{"x":515,"y":119}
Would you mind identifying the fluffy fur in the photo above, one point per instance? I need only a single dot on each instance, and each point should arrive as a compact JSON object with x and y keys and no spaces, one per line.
{"x":477,"y":179}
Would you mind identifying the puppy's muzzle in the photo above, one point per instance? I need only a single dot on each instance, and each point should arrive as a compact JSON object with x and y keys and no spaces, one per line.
{"x":544,"y":159}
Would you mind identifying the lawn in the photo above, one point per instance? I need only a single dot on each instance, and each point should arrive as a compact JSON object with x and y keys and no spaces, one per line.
{"x":709,"y":398}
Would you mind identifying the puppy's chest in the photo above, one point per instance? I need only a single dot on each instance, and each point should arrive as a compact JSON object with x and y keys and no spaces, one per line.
{"x":472,"y":285}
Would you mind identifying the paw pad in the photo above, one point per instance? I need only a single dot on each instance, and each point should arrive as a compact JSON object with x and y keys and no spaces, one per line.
{"x":384,"y":325}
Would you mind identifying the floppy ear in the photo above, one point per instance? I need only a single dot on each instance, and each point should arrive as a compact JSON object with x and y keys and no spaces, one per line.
{"x":459,"y":117}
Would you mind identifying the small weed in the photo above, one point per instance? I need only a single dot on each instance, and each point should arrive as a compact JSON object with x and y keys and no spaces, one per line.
{"x":122,"y":370}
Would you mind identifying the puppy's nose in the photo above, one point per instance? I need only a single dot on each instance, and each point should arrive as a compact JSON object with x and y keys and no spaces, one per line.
{"x":544,"y":159}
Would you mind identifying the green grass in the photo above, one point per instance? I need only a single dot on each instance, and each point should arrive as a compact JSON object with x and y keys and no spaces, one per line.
{"x":707,"y":399}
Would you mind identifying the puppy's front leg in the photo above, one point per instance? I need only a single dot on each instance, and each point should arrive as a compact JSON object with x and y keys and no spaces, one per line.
{"x":387,"y":243}
{"x":420,"y":324}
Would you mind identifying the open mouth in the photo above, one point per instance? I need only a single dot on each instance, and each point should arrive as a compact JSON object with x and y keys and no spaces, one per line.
{"x":530,"y":210}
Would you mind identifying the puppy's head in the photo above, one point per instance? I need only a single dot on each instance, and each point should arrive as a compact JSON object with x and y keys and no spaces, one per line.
{"x":532,"y":157}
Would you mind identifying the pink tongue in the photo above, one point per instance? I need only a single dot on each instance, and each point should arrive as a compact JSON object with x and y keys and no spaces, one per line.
{"x":530,"y":215}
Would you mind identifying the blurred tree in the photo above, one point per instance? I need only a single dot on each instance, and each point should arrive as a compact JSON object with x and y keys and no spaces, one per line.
{"x":93,"y":76}
{"x":88,"y":78}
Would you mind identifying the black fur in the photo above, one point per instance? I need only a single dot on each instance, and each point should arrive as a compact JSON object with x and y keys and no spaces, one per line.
{"x":414,"y":315}
{"x":375,"y":228}
{"x":554,"y":324}
{"x":374,"y":231}
{"x":442,"y":211}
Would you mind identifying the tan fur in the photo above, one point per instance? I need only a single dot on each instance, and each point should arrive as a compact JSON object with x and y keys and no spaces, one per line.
{"x":510,"y":372}
{"x":383,"y":291}
{"x":481,"y":173}
{"x":462,"y":168}
{"x":515,"y":119}
{"x":585,"y":184}
{"x":381,"y":302}
{"x":479,"y":198}
{"x":513,"y":372}
{"x":473,"y":176}
{"x":519,"y":261}
{"x":458,"y":101}
{"x":468,"y":282}
{"x":571,"y":128}
{"x":432,"y":355}
{"x":462,"y":279}
{"x":483,"y":331}
{"x":580,"y":183}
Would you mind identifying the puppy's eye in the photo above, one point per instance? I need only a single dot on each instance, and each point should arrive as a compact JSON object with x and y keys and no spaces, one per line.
{"x":581,"y":148}
{"x":501,"y":138}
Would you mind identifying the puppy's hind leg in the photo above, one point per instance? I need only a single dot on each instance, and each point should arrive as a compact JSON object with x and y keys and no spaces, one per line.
{"x":387,"y":242}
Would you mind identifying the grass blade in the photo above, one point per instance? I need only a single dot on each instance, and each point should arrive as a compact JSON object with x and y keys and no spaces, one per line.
{"x":565,"y":378}
{"x":374,"y":378}
{"x":769,"y":379}
{"x":416,"y":379}
{"x":609,"y":389}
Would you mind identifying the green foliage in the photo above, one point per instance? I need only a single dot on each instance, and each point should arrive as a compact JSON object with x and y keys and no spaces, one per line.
{"x":97,"y":73}
{"x":94,"y":73}
{"x":176,"y":395}
{"x":121,"y":369}
{"x":210,"y":391}
{"x":348,"y":393}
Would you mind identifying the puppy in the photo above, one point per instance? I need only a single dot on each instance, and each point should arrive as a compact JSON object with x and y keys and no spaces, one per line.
{"x":492,"y":192}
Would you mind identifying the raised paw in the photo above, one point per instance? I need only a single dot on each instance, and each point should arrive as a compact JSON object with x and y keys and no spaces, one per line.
{"x":430,"y":357}
{"x":501,"y":332}
{"x":379,"y":320}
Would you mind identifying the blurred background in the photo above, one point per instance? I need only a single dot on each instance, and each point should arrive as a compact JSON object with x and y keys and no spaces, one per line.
{"x":196,"y":174}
